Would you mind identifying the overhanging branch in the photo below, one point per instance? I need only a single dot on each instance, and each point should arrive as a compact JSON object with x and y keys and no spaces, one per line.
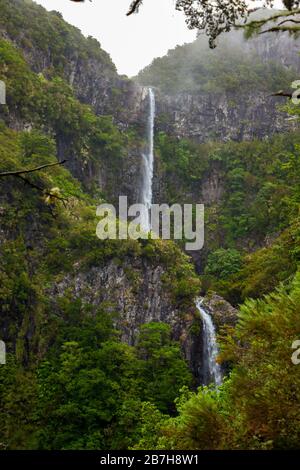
{"x":284,"y":16}
{"x":19,"y":174}
{"x":38,"y":168}
{"x":134,"y":7}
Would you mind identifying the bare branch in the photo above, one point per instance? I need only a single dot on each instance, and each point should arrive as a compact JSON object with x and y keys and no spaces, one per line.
{"x":134,"y":7}
{"x":38,"y":168}
{"x":257,"y":24}
{"x":19,"y":174}
{"x":286,"y":94}
{"x":289,"y":20}
{"x":277,"y":29}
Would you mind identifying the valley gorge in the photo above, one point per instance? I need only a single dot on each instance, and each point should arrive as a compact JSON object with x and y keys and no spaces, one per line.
{"x":197,"y":126}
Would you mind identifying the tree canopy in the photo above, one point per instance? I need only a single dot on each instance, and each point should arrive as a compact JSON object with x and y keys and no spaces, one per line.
{"x":214,"y":17}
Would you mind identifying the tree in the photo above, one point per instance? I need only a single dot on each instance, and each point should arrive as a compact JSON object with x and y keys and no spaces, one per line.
{"x":257,"y":406}
{"x":86,"y":378}
{"x":163,"y":369}
{"x":222,"y":263}
{"x":215,"y":17}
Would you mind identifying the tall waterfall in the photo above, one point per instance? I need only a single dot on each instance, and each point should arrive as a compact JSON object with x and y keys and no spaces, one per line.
{"x":147,"y":165}
{"x":211,"y":369}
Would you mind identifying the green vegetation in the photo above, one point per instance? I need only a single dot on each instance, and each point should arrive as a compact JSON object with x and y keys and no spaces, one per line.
{"x":51,"y":105}
{"x":67,"y":367}
{"x":257,"y":407}
{"x":70,"y":381}
{"x":92,"y":145}
{"x":259,"y":182}
{"x":231,"y":67}
{"x":72,"y":371}
{"x":222,"y":263}
{"x":89,"y":390}
{"x":252,"y":229}
{"x":27,"y":24}
{"x":92,"y":386}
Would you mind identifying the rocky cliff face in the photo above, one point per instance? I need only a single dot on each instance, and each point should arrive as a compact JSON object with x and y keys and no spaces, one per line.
{"x":220,"y":310}
{"x":193,"y":106}
{"x":221,"y":117}
{"x":283,"y":48}
{"x":243,"y":114}
{"x":136,"y":291}
{"x":92,"y":76}
{"x":53,"y":48}
{"x":202,"y":116}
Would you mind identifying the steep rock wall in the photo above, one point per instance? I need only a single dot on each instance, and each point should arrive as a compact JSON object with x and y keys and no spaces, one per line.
{"x":203,"y":117}
{"x":137,"y":292}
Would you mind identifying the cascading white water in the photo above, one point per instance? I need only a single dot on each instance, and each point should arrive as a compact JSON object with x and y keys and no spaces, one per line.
{"x":211,"y":369}
{"x":147,"y":166}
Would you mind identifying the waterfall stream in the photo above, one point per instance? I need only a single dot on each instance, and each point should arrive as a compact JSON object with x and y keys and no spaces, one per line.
{"x":211,"y":369}
{"x":147,"y":165}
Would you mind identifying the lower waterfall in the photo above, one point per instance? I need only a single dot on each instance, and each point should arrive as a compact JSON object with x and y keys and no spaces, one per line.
{"x":211,"y":369}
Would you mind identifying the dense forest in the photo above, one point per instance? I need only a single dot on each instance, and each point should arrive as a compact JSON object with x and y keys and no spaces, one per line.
{"x":102,"y":336}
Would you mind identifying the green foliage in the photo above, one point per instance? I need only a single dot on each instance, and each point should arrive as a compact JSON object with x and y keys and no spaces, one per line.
{"x":89,"y":141}
{"x":265,"y":269}
{"x":222,"y":263}
{"x":88,"y":392}
{"x":149,"y":428}
{"x":83,"y":384}
{"x":261,"y":195}
{"x":260,"y":182}
{"x":31,"y":27}
{"x":231,"y":67}
{"x":256,"y":202}
{"x":257,"y":407}
{"x":265,"y":372}
{"x":163,"y":369}
{"x":70,"y":382}
{"x":68,"y":369}
{"x":183,"y":162}
{"x":18,"y":402}
{"x":20,"y":82}
{"x":90,"y":383}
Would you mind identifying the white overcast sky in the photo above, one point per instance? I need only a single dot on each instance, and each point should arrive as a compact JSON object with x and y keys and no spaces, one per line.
{"x":132,"y":42}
